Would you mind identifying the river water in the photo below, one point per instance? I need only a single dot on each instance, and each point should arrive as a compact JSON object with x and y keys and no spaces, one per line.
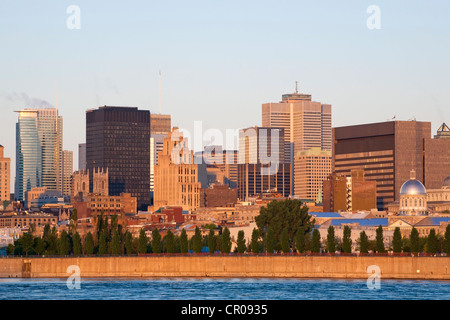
{"x":221,"y":289}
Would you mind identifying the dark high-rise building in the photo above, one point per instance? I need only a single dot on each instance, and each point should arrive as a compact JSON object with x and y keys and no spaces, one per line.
{"x":386,"y":151}
{"x":118,"y":139}
{"x":261,"y":162}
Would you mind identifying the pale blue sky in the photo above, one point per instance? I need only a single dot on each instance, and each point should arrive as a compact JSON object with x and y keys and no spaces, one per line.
{"x":220,"y":60}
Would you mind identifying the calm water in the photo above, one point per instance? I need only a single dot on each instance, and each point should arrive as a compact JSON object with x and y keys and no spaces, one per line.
{"x":221,"y":289}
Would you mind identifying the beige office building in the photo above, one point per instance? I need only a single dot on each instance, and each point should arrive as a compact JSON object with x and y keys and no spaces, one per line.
{"x":178,"y":180}
{"x":160,"y":126}
{"x":312,"y":167}
{"x":5,"y":176}
{"x":306,"y":124}
{"x":67,"y":171}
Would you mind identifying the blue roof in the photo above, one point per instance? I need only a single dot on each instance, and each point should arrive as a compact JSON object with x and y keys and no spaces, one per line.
{"x":374,"y":222}
{"x":325,"y":214}
{"x":433,"y":221}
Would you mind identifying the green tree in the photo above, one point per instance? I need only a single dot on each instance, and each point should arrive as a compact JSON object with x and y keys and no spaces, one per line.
{"x":39,"y":245}
{"x":315,"y":242}
{"x":115,"y":243}
{"x":270,"y":241}
{"x":89,"y":244}
{"x":284,"y":240}
{"x":447,"y":240}
{"x":52,"y":242}
{"x":241,"y":242}
{"x":397,"y":241}
{"x":183,"y":242}
{"x":102,"y":244}
{"x":380,"y":240}
{"x":432,"y":242}
{"x":156,"y":241}
{"x":414,"y":241}
{"x":197,"y":241}
{"x":226,"y":241}
{"x":77,"y":244}
{"x":63,"y":244}
{"x":46,"y":232}
{"x":363,"y":242}
{"x":347,"y":240}
{"x":300,"y":239}
{"x":143,"y":242}
{"x":128,"y":242}
{"x":10,"y":249}
{"x":211,"y":241}
{"x":278,"y":215}
{"x":331,"y":240}
{"x":254,"y":244}
{"x":170,"y":242}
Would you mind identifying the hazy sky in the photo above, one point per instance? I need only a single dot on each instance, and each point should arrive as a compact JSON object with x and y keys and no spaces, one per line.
{"x":220,"y":60}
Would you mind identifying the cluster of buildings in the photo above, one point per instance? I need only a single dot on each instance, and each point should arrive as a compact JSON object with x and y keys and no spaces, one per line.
{"x":135,"y":165}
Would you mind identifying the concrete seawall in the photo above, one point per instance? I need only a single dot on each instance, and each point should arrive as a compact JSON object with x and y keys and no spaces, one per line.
{"x":430,"y":268}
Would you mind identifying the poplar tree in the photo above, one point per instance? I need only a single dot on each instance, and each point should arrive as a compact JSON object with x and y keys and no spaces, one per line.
{"x":284,"y":239}
{"x":226,"y":241}
{"x":197,"y":241}
{"x":270,"y":241}
{"x":300,"y":240}
{"x":183,"y":242}
{"x":414,"y":240}
{"x":76,"y":244}
{"x":241,"y":242}
{"x":26,"y":241}
{"x":102,"y":245}
{"x":255,"y":241}
{"x":63,"y":244}
{"x":397,"y":241}
{"x":115,"y":244}
{"x":211,"y":241}
{"x":432,"y":242}
{"x":331,"y":240}
{"x":380,"y":240}
{"x":447,"y":240}
{"x":156,"y":241}
{"x":315,"y":242}
{"x":363,"y":242}
{"x":89,"y":244}
{"x":170,"y":242}
{"x":128,"y":243}
{"x":143,"y":242}
{"x":347,"y":240}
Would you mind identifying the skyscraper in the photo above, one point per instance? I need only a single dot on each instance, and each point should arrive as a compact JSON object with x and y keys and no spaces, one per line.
{"x":312,"y":167}
{"x":28,"y":154}
{"x":306,"y":124}
{"x":39,"y":159}
{"x":386,"y":151}
{"x":51,"y":137}
{"x":178,"y":180}
{"x":82,"y":156}
{"x":160,"y":126}
{"x":67,"y":172}
{"x":118,"y":139}
{"x":5,"y":176}
{"x":261,"y":162}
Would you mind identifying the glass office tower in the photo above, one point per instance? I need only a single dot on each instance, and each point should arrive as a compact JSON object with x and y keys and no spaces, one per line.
{"x":28,"y":154}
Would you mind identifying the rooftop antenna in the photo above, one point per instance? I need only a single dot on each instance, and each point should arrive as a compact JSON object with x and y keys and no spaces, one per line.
{"x":296,"y":87}
{"x":159,"y":103}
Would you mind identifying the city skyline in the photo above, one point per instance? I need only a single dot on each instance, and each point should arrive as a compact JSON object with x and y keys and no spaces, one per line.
{"x":367,"y":75}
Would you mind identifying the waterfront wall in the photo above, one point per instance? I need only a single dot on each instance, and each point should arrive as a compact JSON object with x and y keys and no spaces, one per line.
{"x":432,"y":268}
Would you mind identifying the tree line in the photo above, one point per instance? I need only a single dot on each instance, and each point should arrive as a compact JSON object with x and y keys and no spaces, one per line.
{"x":282,"y":226}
